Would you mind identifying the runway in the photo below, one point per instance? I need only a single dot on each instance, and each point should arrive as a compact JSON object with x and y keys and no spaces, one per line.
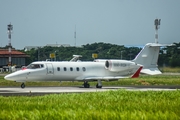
{"x":29,"y":91}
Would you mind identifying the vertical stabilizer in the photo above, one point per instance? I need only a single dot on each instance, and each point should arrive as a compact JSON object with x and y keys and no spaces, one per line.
{"x":148,"y":57}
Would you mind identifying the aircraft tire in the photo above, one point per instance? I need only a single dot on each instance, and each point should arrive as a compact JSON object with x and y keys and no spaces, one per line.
{"x":97,"y":86}
{"x":22,"y":85}
{"x":86,"y":85}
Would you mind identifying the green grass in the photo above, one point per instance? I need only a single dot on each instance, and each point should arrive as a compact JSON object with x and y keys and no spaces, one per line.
{"x":142,"y":80}
{"x":113,"y":105}
{"x":170,"y":69}
{"x":120,"y":104}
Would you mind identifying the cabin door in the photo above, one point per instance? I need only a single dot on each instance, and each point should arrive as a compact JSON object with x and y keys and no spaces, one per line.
{"x":49,"y":68}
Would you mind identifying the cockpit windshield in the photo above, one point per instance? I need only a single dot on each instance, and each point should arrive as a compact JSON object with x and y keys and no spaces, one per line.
{"x":35,"y":66}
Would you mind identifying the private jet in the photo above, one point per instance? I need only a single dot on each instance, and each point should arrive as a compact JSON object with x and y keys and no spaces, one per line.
{"x":97,"y":70}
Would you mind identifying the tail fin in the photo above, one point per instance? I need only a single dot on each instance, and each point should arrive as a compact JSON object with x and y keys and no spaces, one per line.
{"x":148,"y":57}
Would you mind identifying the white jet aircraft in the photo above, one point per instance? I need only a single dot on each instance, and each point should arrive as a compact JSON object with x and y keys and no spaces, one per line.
{"x":100,"y":69}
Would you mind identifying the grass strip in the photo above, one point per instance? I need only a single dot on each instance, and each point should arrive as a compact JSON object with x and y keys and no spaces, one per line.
{"x":120,"y":104}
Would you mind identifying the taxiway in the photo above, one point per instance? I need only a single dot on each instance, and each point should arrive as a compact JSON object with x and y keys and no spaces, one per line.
{"x":17,"y":91}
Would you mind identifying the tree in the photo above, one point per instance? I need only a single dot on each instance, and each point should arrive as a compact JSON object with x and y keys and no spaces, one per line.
{"x":169,"y":55}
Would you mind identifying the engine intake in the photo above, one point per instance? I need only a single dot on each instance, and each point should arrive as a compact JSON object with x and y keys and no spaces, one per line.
{"x":118,"y":65}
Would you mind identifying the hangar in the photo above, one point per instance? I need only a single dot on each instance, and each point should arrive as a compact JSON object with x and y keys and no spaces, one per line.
{"x":17,"y":58}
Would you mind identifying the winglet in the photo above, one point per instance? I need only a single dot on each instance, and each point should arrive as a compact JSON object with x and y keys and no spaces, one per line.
{"x":136,"y":74}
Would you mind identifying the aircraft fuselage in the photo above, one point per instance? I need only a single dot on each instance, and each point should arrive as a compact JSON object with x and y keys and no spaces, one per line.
{"x":70,"y":71}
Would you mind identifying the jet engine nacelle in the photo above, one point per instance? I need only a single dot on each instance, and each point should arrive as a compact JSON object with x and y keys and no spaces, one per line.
{"x":118,"y":65}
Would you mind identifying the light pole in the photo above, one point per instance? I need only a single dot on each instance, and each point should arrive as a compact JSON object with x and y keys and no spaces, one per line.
{"x":55,"y":55}
{"x":157,"y":26}
{"x":38,"y":54}
{"x":9,"y":28}
{"x":121,"y":55}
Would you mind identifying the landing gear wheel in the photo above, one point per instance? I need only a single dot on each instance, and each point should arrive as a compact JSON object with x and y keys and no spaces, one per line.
{"x":22,"y":85}
{"x":97,"y":86}
{"x":86,"y":84}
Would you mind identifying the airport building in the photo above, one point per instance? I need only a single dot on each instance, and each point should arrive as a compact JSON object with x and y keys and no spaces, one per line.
{"x":17,"y":58}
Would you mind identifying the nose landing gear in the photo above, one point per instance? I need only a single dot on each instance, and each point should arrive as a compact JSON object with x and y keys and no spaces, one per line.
{"x":22,"y":85}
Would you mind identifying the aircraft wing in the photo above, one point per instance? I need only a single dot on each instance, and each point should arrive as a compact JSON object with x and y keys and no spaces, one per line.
{"x":89,"y":78}
{"x":135,"y":75}
{"x":104,"y":78}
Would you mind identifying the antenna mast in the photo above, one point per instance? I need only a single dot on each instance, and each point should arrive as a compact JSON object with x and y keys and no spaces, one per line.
{"x":75,"y":36}
{"x":157,"y":26}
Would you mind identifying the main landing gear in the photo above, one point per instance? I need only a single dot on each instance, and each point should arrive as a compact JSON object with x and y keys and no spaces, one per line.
{"x":22,"y":85}
{"x":86,"y":84}
{"x":98,"y":85}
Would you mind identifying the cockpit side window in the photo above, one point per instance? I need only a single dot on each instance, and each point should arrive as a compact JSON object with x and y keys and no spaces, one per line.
{"x":42,"y":65}
{"x":35,"y":66}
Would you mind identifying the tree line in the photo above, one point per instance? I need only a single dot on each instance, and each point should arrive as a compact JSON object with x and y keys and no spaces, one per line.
{"x":169,"y":56}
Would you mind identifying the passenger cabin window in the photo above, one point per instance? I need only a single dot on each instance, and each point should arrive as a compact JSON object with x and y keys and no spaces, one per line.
{"x":35,"y":66}
{"x":71,"y":69}
{"x":65,"y":68}
{"x":84,"y":69}
{"x":77,"y":68}
{"x":58,"y":68}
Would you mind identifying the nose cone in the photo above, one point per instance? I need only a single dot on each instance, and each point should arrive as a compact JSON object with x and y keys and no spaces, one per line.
{"x":9,"y":77}
{"x":13,"y":76}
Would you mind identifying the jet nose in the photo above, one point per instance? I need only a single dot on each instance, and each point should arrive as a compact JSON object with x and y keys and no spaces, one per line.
{"x":6,"y":77}
{"x":9,"y":77}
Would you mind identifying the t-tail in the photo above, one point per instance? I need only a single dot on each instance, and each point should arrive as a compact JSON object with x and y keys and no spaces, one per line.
{"x":148,"y":57}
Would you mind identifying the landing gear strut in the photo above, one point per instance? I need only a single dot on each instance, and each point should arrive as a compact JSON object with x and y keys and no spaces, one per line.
{"x":99,"y":84}
{"x":22,"y":85}
{"x":86,"y":84}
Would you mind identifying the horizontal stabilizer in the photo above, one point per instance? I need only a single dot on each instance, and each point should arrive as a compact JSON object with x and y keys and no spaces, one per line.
{"x":159,"y":45}
{"x":151,"y":71}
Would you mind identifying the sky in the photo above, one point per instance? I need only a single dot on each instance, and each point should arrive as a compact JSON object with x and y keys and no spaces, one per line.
{"x":121,"y":22}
